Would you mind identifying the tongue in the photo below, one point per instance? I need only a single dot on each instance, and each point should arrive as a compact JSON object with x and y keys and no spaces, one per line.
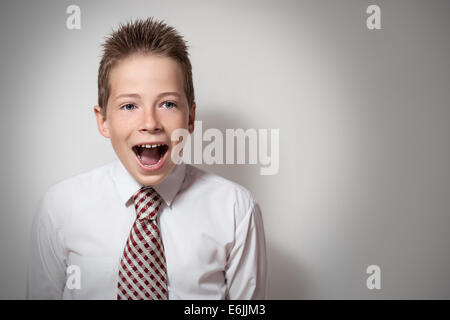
{"x":149,"y":156}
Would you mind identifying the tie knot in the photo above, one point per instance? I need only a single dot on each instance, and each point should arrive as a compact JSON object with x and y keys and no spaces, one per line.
{"x":147,"y":202}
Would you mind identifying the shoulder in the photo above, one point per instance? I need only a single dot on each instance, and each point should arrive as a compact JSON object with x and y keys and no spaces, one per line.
{"x":71,"y":193}
{"x":81,"y":183}
{"x":212,"y":187}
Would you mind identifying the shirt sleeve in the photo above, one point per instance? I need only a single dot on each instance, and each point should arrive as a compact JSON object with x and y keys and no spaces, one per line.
{"x":47,"y":260}
{"x":246,"y":272}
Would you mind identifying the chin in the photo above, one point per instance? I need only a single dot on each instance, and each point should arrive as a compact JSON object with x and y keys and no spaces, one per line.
{"x":156,"y":177}
{"x":152,"y":180}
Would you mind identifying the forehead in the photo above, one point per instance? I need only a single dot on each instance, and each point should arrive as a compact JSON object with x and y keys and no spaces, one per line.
{"x":146,"y":73}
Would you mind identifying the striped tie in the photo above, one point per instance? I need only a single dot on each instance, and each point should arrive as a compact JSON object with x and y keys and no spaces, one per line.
{"x":142,"y":271}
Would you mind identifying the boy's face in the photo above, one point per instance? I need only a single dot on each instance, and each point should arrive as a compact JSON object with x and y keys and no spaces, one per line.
{"x":146,"y":104}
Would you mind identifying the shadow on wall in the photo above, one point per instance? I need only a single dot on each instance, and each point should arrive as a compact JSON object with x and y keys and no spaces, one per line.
{"x":287,"y":278}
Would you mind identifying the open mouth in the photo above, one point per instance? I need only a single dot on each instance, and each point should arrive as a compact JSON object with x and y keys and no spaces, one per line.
{"x":150,"y":154}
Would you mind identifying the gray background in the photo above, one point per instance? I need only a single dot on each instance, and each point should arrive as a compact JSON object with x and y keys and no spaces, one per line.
{"x":364,"y":119}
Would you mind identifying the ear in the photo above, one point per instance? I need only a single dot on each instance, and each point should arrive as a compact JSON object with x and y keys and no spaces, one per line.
{"x":191,"y":118}
{"x":102,"y":123}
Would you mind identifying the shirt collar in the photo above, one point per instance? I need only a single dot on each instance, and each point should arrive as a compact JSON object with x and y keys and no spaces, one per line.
{"x":127,"y":185}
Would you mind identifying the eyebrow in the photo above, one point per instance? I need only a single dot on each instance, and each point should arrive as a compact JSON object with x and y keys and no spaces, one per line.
{"x":135,"y":95}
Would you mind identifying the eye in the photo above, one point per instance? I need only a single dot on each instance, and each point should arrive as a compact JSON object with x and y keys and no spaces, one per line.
{"x":169,"y":104}
{"x":128,"y":106}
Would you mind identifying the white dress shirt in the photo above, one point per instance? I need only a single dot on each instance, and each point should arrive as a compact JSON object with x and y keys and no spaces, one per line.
{"x":211,"y":228}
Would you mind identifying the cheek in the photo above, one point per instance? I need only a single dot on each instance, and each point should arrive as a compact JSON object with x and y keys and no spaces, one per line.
{"x":175,"y":121}
{"x":118,"y":127}
{"x":118,"y":136}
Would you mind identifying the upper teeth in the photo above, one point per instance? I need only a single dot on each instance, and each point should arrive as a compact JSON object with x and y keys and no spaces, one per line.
{"x":149,"y":145}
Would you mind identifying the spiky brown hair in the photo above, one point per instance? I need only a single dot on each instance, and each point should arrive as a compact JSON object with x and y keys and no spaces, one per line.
{"x":143,"y":36}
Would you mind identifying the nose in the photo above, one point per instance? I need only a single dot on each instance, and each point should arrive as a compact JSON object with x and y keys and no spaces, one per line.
{"x":150,"y":122}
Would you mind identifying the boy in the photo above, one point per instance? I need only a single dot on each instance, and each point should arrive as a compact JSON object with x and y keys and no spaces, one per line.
{"x":144,"y":227}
